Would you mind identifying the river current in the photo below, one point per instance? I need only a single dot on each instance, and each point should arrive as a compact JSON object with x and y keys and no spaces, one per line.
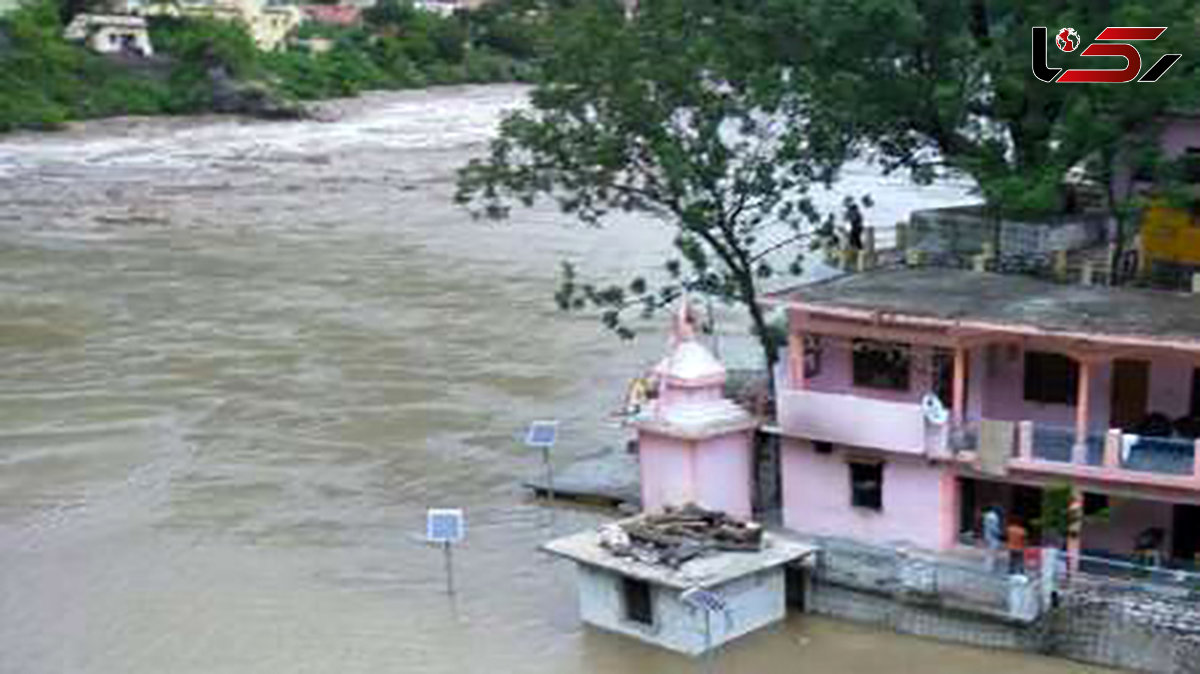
{"x":238,"y":360}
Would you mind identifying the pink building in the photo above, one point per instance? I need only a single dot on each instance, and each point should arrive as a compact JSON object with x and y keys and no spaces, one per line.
{"x":1043,"y":383}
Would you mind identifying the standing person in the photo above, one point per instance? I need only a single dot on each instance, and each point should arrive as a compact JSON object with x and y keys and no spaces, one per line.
{"x":1016,"y":547}
{"x":992,"y":533}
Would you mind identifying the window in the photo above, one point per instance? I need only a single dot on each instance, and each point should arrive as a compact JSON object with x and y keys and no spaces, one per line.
{"x":866,"y":485}
{"x":882,"y":365}
{"x":1050,"y":378}
{"x":638,"y":606}
{"x":1195,"y":392}
{"x":822,"y":447}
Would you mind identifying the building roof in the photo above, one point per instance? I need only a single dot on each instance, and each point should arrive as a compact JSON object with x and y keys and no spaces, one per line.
{"x":949,"y":298}
{"x":337,"y":15}
{"x":707,"y":571}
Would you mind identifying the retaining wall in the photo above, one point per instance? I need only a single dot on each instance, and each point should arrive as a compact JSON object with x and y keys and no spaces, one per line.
{"x":1095,"y":622}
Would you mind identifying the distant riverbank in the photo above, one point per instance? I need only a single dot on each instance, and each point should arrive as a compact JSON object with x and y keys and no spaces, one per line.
{"x":213,"y":66}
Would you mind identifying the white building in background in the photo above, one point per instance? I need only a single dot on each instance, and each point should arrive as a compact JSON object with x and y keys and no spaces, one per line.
{"x":111,"y":34}
{"x":447,"y":7}
{"x":269,"y":24}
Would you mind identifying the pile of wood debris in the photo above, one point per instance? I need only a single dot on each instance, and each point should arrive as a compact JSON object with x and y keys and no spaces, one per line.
{"x":679,"y":534}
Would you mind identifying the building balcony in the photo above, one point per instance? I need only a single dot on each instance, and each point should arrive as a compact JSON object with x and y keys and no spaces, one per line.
{"x":1113,"y":456}
{"x":858,"y":421}
{"x":1045,"y":449}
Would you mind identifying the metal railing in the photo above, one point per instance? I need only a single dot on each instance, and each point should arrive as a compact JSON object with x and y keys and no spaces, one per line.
{"x":1171,"y":456}
{"x":1053,"y":443}
{"x":1170,"y":577}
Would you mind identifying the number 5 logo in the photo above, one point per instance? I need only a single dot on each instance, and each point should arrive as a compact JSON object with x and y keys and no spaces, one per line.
{"x":1133,"y":59}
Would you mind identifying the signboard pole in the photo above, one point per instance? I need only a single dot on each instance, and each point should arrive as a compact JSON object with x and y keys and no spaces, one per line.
{"x":447,"y":551}
{"x":549,"y":475}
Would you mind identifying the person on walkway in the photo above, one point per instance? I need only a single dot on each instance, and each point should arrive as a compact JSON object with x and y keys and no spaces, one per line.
{"x":1016,"y":535}
{"x":992,"y":534}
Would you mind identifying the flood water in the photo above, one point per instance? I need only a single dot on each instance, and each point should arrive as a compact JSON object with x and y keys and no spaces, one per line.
{"x":238,"y":360}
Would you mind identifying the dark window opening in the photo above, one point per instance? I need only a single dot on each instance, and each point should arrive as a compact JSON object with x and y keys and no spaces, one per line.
{"x":638,"y":605}
{"x":822,"y":447}
{"x":1094,"y":504}
{"x":866,"y":485}
{"x":882,"y":365}
{"x":943,"y":375}
{"x":812,"y":356}
{"x":1196,"y":392}
{"x":1050,"y":378}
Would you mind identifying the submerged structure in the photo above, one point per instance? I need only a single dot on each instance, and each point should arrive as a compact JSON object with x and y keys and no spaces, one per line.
{"x":634,"y":577}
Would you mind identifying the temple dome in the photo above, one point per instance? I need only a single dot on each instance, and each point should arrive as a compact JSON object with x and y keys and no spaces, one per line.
{"x":692,"y":363}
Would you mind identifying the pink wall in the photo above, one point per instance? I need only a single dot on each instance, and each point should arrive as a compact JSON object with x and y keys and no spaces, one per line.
{"x":1127,"y":519}
{"x":837,"y":373}
{"x":919,"y":501}
{"x":723,"y":474}
{"x":1000,"y":386}
{"x":714,"y":472}
{"x":995,"y":386}
{"x":853,"y":420}
{"x":1176,"y":137}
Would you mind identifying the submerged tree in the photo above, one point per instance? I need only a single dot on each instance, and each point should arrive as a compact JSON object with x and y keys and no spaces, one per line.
{"x":678,"y":112}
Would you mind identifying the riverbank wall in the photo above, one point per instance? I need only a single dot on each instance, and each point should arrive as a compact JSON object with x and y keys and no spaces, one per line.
{"x":1093,"y":621}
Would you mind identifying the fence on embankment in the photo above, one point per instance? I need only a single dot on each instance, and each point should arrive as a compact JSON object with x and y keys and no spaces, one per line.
{"x":1091,"y":616}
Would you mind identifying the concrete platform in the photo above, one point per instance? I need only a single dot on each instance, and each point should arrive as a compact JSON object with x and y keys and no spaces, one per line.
{"x":608,"y":477}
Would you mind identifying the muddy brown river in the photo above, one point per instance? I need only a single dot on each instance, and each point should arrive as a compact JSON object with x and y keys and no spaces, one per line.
{"x":238,"y":360}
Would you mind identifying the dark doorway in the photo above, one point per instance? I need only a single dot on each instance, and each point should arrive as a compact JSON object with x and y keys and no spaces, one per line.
{"x":639,"y":605}
{"x":967,"y":504}
{"x":1130,"y":390}
{"x":793,"y":579}
{"x":1185,"y":546}
{"x":1026,"y":509}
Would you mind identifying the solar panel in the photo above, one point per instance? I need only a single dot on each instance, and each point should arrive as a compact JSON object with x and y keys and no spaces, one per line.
{"x":542,"y":434}
{"x":444,"y":525}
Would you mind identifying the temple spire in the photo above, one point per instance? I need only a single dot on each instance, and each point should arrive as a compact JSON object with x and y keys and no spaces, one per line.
{"x":683,"y":328}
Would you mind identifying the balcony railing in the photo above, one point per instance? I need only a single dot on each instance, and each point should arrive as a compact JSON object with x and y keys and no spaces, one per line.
{"x":856,"y":421}
{"x":1130,"y":457}
{"x":1171,"y":456}
{"x":901,"y":427}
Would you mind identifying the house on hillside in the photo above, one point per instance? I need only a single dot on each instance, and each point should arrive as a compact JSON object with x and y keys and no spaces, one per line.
{"x":346,"y":16}
{"x":1170,"y":234}
{"x":110,"y":34}
{"x":448,"y":7}
{"x":911,"y":400}
{"x":269,"y":23}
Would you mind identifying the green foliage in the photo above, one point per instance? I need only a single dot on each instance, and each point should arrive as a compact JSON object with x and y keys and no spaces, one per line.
{"x":950,"y":81}
{"x":44,"y":81}
{"x":680,"y":114}
{"x":1059,"y":517}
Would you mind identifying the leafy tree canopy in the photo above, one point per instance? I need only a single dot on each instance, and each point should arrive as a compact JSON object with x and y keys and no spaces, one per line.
{"x":949,"y":82}
{"x":679,"y":113}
